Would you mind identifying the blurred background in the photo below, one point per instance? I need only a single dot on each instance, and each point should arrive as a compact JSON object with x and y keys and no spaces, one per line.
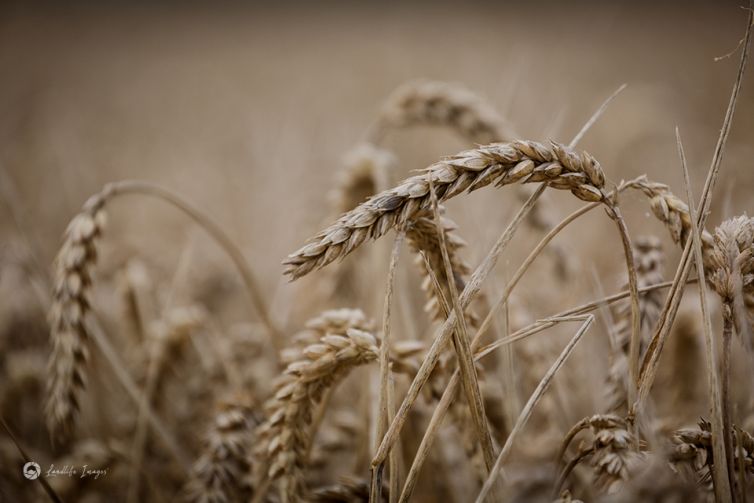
{"x":247,"y":110}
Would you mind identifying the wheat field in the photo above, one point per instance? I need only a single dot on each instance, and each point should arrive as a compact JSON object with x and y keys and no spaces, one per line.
{"x":345,"y":252}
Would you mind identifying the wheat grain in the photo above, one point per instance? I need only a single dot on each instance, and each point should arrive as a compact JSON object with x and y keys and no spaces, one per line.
{"x":505,"y":163}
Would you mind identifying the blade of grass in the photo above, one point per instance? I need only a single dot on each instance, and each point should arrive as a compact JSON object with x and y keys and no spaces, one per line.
{"x":721,"y":472}
{"x":529,"y":407}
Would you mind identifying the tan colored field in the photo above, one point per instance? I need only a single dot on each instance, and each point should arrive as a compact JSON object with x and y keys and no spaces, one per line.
{"x":165,"y":354}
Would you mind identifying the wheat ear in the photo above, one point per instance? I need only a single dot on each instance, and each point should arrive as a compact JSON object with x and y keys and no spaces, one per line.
{"x":673,"y":212}
{"x":612,"y":451}
{"x":424,"y":102}
{"x":70,"y":339}
{"x":220,"y":475}
{"x":503,"y":163}
{"x":692,"y":451}
{"x":285,"y":435}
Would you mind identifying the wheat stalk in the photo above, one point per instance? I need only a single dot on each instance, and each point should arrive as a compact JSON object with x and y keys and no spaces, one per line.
{"x":732,"y":261}
{"x":648,"y":257}
{"x":504,"y":163}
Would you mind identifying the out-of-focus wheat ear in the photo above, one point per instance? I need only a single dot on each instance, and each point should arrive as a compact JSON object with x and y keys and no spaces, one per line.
{"x":220,"y":474}
{"x":648,"y":257}
{"x":692,"y":455}
{"x":434,"y":103}
{"x":74,"y":266}
{"x":503,"y":164}
{"x":612,"y":450}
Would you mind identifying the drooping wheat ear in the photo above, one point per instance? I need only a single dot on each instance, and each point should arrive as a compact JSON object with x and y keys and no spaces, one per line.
{"x":364,"y":165}
{"x":503,"y":163}
{"x":444,"y":104}
{"x":74,"y":266}
{"x":221,"y":474}
{"x":674,"y":213}
{"x":648,"y":257}
{"x":612,"y":450}
{"x":692,"y":452}
{"x":284,"y":438}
